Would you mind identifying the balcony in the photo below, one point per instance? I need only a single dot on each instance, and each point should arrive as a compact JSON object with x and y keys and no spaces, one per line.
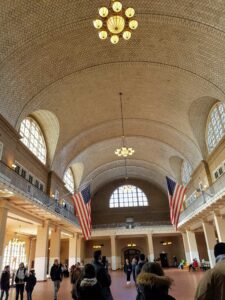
{"x":21,"y":187}
{"x":208,"y":199}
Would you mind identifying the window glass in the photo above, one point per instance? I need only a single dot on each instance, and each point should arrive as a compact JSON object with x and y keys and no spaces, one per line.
{"x":14,"y":254}
{"x":33,"y":138}
{"x":128,"y":196}
{"x":186,"y":172}
{"x":69,"y":181}
{"x":215,"y":126}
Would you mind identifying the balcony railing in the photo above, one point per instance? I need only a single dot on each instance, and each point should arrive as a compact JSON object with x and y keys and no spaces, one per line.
{"x":17,"y":182}
{"x":211,"y":195}
{"x":132,"y":225}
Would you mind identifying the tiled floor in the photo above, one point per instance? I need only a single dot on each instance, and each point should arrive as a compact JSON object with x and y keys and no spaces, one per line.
{"x":184,"y":287}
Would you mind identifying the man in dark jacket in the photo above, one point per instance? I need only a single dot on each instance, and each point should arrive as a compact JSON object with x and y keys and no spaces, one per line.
{"x":56,"y":276}
{"x":102,"y":276}
{"x":140,"y":264}
{"x":5,"y":283}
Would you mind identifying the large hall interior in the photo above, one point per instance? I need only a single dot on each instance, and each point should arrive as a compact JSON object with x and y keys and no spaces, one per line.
{"x":117,"y":105}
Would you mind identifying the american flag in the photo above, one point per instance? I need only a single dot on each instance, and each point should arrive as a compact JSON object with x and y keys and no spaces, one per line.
{"x":176,"y":195}
{"x":82,"y":203}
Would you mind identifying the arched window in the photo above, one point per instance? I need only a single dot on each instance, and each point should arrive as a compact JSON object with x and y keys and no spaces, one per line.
{"x":69,"y":181}
{"x":215,"y":126}
{"x":14,"y":254}
{"x":128,"y":196}
{"x":186,"y":171}
{"x":33,"y":138}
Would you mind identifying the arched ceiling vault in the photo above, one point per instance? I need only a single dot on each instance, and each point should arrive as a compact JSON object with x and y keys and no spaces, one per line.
{"x":51,"y":59}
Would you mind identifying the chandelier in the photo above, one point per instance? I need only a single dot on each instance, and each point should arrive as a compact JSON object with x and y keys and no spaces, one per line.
{"x":123,"y":151}
{"x":115,"y":22}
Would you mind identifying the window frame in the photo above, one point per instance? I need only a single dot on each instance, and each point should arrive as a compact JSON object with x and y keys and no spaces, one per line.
{"x":213,"y":146}
{"x":40,"y":149}
{"x":120,"y":198}
{"x":186,"y":172}
{"x":73,"y":181}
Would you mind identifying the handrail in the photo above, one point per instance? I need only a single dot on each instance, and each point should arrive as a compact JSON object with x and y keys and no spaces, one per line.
{"x":15,"y":180}
{"x":132,"y":225}
{"x":208,"y":196}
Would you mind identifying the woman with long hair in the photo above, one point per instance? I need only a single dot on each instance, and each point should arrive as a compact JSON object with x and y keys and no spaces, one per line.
{"x":152,"y":284}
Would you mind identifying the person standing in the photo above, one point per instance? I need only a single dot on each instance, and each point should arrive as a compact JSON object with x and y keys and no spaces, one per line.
{"x":212,"y":285}
{"x":20,"y":278}
{"x":140,"y":264}
{"x":87,"y":286}
{"x":134,"y":263}
{"x":105,"y":263}
{"x":56,"y":276}
{"x":5,"y":283}
{"x":153,"y":284}
{"x":127,"y":269}
{"x":30,"y":284}
{"x":102,"y":276}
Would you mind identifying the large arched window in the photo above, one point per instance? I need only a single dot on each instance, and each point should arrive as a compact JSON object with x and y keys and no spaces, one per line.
{"x":14,"y":254}
{"x":186,"y":171}
{"x":215,"y":126}
{"x":128,"y":196}
{"x":68,"y":180}
{"x":33,"y":138}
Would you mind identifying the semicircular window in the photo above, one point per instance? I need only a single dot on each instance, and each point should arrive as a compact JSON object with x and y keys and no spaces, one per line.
{"x":33,"y":138}
{"x":186,"y":172}
{"x":69,"y":181}
{"x":128,"y":196}
{"x":216,"y":126}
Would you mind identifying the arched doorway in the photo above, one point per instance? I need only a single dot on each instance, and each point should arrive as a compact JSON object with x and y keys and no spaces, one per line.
{"x":131,"y":253}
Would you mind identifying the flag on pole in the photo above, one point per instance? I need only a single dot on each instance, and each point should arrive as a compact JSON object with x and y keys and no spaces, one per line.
{"x":82,"y":204}
{"x":176,"y":195}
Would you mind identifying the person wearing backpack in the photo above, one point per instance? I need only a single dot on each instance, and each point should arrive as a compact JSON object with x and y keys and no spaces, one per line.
{"x":5,"y":283}
{"x":20,"y":279}
{"x":31,"y":282}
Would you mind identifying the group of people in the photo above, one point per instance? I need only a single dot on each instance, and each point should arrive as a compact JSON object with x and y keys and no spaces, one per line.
{"x":134,"y":267}
{"x":22,"y":277}
{"x":93,"y":280}
{"x":149,"y":277}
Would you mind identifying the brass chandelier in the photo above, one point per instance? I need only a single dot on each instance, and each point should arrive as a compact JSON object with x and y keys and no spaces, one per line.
{"x":123,"y":151}
{"x":115,"y":22}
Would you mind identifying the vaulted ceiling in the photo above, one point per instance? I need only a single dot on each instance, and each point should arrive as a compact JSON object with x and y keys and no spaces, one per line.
{"x":170,"y":73}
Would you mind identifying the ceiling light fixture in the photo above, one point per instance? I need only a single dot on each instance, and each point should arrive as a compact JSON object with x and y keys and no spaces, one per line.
{"x":115,"y":22}
{"x":123,"y":151}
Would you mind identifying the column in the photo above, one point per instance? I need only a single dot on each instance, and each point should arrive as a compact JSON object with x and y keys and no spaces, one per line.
{"x":3,"y":220}
{"x":210,"y":238}
{"x":150,"y":248}
{"x":220,"y":227}
{"x":113,"y":253}
{"x":54,"y":245}
{"x":73,"y":250}
{"x":79,"y":248}
{"x":186,"y":248}
{"x":192,"y":245}
{"x":41,"y":252}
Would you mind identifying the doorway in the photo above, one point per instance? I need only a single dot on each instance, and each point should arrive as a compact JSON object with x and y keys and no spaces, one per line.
{"x":131,"y":253}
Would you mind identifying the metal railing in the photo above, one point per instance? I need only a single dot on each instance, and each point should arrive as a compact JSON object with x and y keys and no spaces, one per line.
{"x":17,"y":182}
{"x":132,"y":225}
{"x":208,"y":196}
